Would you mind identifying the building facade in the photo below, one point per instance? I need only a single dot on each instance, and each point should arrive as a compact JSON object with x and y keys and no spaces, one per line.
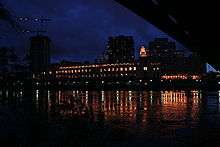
{"x":148,"y":68}
{"x":169,"y":65}
{"x":162,"y":47}
{"x":39,"y":53}
{"x":120,"y":49}
{"x":173,"y":62}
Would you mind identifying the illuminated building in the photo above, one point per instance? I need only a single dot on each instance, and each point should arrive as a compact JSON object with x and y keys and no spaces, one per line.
{"x":144,"y":52}
{"x":173,"y":61}
{"x":118,"y":64}
{"x":145,"y":70}
{"x":148,"y":68}
{"x":39,"y":53}
{"x":97,"y":71}
{"x":181,"y":77}
{"x":120,"y":49}
{"x":103,"y":74}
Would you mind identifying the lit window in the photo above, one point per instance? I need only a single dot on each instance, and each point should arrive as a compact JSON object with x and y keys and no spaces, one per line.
{"x":158,"y":68}
{"x":121,"y":69}
{"x":130,"y":68}
{"x":100,"y":70}
{"x":135,"y":68}
{"x":154,"y":68}
{"x":145,"y":68}
{"x":126,"y":69}
{"x":109,"y":69}
{"x":113,"y":69}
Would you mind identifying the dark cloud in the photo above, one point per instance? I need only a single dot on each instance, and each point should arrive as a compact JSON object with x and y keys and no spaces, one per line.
{"x":80,"y":28}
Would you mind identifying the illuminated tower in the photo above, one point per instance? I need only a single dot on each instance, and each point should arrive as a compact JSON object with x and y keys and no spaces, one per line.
{"x":149,"y":68}
{"x":144,"y":54}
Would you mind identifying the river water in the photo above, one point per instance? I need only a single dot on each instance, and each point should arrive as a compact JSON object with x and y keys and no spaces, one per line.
{"x":109,"y":118}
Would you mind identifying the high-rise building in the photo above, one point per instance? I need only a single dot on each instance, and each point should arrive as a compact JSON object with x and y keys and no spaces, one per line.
{"x":162,"y":47}
{"x":39,"y":53}
{"x":120,"y":49}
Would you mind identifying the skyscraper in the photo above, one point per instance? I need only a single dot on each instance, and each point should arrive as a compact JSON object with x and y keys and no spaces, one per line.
{"x":39,"y":53}
{"x":162,"y":47}
{"x":120,"y":49}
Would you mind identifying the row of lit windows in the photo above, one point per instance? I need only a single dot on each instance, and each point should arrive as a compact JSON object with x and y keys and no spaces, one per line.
{"x":95,"y":65}
{"x":183,"y":77}
{"x":195,"y":77}
{"x":74,"y":71}
{"x":93,"y":75}
{"x":104,"y":70}
{"x":155,"y":68}
{"x":119,"y":69}
{"x":101,"y":70}
{"x":174,"y":77}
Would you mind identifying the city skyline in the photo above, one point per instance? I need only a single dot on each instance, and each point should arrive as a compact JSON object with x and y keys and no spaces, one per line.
{"x":81,"y":22}
{"x":108,"y":73}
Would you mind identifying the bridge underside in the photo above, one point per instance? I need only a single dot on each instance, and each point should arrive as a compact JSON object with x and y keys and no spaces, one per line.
{"x":194,"y":23}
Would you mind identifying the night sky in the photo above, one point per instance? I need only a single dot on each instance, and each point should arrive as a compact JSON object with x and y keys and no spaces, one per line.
{"x":79,"y":28}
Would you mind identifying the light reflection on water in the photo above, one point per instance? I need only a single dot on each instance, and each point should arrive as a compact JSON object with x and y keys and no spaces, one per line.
{"x":145,"y":109}
{"x":144,"y":113}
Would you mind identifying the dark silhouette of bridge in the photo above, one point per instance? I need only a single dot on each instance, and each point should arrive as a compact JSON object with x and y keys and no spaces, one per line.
{"x":194,"y":23}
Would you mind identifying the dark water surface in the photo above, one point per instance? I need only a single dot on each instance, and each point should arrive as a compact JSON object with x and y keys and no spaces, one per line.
{"x":109,"y":118}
